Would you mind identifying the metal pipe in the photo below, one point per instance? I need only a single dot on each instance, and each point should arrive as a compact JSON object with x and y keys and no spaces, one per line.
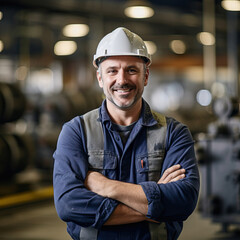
{"x":232,"y":53}
{"x":209,"y":51}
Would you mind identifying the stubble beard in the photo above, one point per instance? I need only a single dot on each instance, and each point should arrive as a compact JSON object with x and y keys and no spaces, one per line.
{"x":123,"y":106}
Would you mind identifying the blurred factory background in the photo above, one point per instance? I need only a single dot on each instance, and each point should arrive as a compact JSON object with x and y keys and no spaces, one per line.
{"x":47,"y":77}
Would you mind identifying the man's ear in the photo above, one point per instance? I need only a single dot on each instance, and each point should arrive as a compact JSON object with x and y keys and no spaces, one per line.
{"x":146,"y":77}
{"x":99,"y":78}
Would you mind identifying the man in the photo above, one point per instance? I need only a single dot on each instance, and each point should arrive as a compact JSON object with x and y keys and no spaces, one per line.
{"x":123,"y":171}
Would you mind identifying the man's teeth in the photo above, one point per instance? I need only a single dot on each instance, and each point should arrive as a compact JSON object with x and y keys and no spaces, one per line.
{"x":123,"y":91}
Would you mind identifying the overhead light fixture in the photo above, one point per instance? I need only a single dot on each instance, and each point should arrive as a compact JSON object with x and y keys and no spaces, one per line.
{"x":206,"y":38}
{"x":75,"y":30}
{"x":151,"y":47}
{"x":178,"y":46}
{"x":138,"y":9}
{"x":231,"y":5}
{"x":1,"y":15}
{"x":63,"y":48}
{"x":204,"y":97}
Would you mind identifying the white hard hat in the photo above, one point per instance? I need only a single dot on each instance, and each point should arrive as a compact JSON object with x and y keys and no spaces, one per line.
{"x":121,"y":42}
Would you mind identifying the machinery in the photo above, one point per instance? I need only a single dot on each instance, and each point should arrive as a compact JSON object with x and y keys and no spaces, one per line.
{"x":29,"y":130}
{"x":218,"y":155}
{"x":16,"y":150}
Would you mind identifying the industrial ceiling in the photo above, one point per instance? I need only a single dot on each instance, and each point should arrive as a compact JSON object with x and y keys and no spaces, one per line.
{"x":33,"y":27}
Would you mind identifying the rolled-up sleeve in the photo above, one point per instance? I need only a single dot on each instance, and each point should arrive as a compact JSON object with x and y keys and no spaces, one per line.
{"x":175,"y":201}
{"x":73,"y":202}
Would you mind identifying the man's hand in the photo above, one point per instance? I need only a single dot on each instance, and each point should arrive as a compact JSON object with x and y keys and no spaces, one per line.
{"x":172,"y":174}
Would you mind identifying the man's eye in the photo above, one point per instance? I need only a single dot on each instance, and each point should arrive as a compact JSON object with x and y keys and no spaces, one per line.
{"x":132,"y":71}
{"x":112,"y":71}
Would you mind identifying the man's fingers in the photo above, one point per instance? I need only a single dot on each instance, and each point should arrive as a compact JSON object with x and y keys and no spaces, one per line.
{"x":179,"y":177}
{"x":176,"y":174}
{"x":172,"y":174}
{"x":170,"y":170}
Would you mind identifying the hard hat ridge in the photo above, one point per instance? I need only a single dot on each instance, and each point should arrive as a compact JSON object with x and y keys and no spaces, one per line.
{"x":121,"y":42}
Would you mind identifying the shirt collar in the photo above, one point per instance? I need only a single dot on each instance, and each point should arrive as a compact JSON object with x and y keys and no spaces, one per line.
{"x":146,"y":117}
{"x":103,"y":114}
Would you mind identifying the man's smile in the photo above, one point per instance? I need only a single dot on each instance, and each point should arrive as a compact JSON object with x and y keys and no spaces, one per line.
{"x":123,"y":89}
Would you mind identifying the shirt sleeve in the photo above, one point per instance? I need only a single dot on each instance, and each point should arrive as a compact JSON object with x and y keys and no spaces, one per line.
{"x":74,"y":203}
{"x":175,"y":201}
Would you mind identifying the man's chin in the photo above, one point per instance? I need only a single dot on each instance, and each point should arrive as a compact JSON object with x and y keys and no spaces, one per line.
{"x":124,"y":106}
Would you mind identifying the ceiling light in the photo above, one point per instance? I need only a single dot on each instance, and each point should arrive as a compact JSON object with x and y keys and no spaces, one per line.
{"x":178,"y":46}
{"x":231,"y":5}
{"x":206,"y":38}
{"x":1,"y":46}
{"x":75,"y":30}
{"x":151,"y":47}
{"x":63,"y":48}
{"x":204,"y":97}
{"x":1,"y":15}
{"x":138,"y":9}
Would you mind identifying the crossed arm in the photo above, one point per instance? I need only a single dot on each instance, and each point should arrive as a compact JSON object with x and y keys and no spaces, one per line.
{"x":133,"y":205}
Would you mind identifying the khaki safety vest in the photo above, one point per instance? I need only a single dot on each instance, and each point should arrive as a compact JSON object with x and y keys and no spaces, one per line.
{"x":156,"y":136}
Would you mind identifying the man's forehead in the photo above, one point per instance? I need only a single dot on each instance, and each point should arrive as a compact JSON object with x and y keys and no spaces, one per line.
{"x":122,"y":60}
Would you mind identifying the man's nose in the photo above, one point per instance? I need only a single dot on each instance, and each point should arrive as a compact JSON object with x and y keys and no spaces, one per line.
{"x":122,"y":77}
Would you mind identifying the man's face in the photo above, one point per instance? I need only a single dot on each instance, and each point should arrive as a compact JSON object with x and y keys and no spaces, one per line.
{"x":123,"y":79}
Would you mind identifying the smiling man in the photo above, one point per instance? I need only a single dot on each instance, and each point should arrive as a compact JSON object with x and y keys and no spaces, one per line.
{"x":124,"y":171}
{"x":123,"y":79}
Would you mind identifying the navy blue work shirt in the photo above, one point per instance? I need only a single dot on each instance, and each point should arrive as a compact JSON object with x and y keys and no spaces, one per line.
{"x":171,"y":203}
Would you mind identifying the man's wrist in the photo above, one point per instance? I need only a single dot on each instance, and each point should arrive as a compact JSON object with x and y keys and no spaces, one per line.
{"x":110,"y":188}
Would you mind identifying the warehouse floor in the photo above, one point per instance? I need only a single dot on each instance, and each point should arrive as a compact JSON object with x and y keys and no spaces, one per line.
{"x":40,"y":222}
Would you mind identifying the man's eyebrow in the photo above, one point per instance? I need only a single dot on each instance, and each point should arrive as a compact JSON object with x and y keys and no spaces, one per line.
{"x":110,"y":68}
{"x":132,"y":66}
{"x":127,"y":67}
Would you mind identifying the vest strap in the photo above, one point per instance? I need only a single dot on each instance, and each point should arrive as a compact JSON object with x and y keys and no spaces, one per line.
{"x":158,"y":231}
{"x":93,"y":131}
{"x":88,"y":233}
